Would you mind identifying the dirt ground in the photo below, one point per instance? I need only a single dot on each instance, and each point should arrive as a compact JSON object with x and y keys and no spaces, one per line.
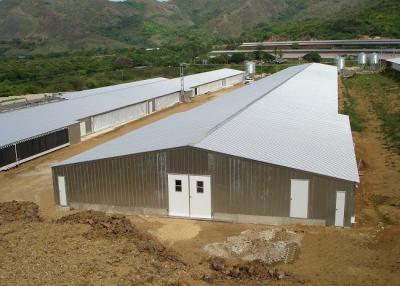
{"x":166,"y":251}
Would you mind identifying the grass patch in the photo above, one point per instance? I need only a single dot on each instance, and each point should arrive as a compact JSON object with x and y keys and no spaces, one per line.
{"x":382,"y":91}
{"x":390,"y":125}
{"x":349,"y":108}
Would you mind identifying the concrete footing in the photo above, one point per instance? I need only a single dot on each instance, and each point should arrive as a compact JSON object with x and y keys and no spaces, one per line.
{"x":120,"y":209}
{"x":242,"y":218}
{"x":235,"y":218}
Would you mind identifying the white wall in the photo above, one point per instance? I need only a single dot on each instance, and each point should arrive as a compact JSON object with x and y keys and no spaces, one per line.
{"x":167,"y":101}
{"x":113,"y":118}
{"x":210,"y":87}
{"x":234,"y":80}
{"x":217,"y":85}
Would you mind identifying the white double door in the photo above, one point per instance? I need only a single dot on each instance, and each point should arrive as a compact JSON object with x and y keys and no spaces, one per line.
{"x":189,"y":196}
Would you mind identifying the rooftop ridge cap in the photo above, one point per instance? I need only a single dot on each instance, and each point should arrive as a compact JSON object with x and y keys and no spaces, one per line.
{"x":229,"y":118}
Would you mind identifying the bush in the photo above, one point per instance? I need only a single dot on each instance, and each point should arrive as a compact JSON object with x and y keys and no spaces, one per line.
{"x":312,"y":57}
{"x":238,"y":58}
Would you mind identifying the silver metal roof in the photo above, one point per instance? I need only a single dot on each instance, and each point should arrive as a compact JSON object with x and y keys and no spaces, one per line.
{"x":30,"y":122}
{"x":289,"y":119}
{"x":394,"y":60}
{"x":96,"y":91}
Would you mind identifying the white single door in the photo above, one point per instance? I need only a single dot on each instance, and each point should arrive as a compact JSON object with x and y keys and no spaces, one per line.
{"x":82,"y":125}
{"x":200,"y":196}
{"x":178,"y":193}
{"x":61,"y":190}
{"x":299,"y":198}
{"x":340,"y":203}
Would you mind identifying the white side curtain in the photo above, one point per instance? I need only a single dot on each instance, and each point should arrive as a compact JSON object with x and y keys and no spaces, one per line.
{"x":114,"y":118}
{"x":210,"y":87}
{"x":234,"y":80}
{"x":167,"y":101}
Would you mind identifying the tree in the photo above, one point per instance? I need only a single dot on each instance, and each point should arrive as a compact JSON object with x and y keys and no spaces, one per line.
{"x":267,"y":57}
{"x":238,"y":58}
{"x":258,"y":55}
{"x":312,"y":57}
{"x":295,"y":46}
{"x":122,"y":62}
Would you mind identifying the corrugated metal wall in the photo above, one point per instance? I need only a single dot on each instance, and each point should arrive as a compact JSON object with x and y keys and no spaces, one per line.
{"x":249,"y":187}
{"x":136,"y":180}
{"x":239,"y":186}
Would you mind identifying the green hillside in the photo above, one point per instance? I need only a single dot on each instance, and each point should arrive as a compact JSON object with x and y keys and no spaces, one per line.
{"x":373,"y":19}
{"x":56,"y":26}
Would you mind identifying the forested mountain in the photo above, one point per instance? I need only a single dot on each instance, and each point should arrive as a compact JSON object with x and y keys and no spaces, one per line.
{"x":46,"y":26}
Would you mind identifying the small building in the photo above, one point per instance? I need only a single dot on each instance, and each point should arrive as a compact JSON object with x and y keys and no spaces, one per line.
{"x":276,"y":151}
{"x":32,"y":132}
{"x":394,"y":64}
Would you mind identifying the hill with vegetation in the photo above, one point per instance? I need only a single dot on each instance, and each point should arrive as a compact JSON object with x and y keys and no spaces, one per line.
{"x":364,"y":20}
{"x":56,"y":26}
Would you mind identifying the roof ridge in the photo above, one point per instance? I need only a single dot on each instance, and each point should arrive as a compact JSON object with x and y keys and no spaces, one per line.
{"x":229,"y":118}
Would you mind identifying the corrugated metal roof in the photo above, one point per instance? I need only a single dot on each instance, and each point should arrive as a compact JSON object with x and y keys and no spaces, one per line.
{"x":288,"y":119}
{"x":96,"y":91}
{"x":394,"y":60}
{"x":25,"y":123}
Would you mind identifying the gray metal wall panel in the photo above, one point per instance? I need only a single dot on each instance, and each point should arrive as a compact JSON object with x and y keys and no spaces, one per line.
{"x":248,"y":187}
{"x":239,"y":186}
{"x":133,"y":181}
{"x":187,"y":161}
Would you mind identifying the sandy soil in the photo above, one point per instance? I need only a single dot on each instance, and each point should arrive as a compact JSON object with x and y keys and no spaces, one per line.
{"x":48,"y":253}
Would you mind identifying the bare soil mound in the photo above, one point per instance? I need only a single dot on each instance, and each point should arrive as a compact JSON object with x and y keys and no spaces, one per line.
{"x":256,"y":271}
{"x":19,"y":211}
{"x":118,"y":226}
{"x":102,"y":225}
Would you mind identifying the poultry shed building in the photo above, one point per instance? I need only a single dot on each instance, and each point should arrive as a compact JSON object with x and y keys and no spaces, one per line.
{"x":275,"y":151}
{"x":32,"y":132}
